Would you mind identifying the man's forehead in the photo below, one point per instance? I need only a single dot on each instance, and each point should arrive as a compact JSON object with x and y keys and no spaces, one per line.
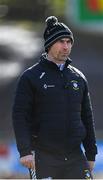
{"x":65,"y":39}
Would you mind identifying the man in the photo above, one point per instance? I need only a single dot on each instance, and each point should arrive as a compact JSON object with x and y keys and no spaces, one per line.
{"x":52,"y":112}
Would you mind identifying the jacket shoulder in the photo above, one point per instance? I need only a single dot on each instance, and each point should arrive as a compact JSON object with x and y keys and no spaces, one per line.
{"x":31,"y":70}
{"x":77,"y":72}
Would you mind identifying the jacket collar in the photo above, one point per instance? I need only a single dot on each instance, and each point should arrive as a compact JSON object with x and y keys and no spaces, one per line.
{"x":45,"y":62}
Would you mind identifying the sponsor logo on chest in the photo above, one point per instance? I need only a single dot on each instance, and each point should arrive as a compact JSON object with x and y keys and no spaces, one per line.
{"x":48,"y":86}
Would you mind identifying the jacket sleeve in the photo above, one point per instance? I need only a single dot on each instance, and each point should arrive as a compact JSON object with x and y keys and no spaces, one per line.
{"x":21,"y":114}
{"x":89,"y":142}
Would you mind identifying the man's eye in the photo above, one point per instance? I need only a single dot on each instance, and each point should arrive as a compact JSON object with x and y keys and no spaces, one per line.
{"x":61,"y":41}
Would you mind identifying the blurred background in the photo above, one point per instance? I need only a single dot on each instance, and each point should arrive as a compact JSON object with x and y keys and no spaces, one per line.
{"x":21,"y":44}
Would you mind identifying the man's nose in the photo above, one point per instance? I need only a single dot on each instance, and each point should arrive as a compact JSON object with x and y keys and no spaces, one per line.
{"x":65,"y":45}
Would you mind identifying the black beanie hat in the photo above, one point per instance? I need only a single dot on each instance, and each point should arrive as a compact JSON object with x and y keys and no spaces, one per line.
{"x":54,"y":31}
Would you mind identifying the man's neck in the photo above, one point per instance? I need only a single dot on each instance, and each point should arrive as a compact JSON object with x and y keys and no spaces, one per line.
{"x":50,"y":58}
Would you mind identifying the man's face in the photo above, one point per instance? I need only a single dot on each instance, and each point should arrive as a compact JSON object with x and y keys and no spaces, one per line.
{"x":60,"y":50}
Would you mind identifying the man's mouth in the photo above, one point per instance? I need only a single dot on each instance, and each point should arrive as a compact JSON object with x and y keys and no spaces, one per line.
{"x":65,"y":54}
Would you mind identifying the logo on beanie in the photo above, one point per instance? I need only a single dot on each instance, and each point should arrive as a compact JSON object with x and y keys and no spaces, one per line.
{"x":48,"y":32}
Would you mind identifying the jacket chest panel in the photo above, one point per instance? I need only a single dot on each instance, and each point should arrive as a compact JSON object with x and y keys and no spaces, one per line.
{"x":74,"y":90}
{"x":56,"y":86}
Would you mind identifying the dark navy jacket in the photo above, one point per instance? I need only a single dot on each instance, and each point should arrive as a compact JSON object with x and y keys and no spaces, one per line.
{"x":52,"y":110}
